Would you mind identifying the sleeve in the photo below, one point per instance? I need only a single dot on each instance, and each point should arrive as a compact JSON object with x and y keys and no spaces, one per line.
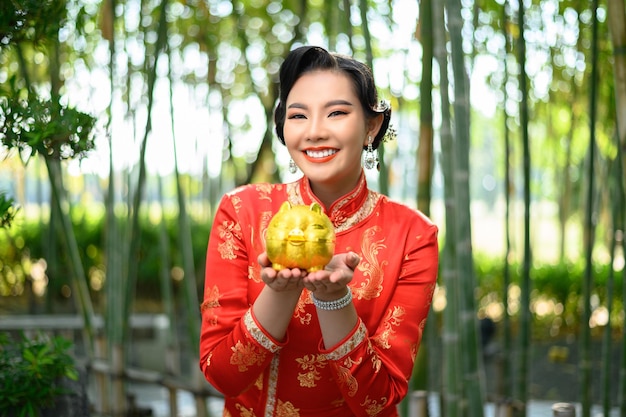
{"x":234,"y":349}
{"x":373,"y":371}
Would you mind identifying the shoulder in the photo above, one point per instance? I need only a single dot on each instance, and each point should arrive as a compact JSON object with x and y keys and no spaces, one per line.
{"x":392,"y":211}
{"x":254,"y":198}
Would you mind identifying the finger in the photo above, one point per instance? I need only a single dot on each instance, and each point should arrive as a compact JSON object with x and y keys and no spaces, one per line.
{"x":263,"y":260}
{"x":352,"y":260}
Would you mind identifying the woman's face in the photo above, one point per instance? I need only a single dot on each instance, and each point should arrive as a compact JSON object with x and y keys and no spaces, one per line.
{"x":325,"y":130}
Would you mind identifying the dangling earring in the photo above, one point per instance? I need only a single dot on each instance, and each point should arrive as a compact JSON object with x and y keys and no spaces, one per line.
{"x":371,"y":158}
{"x":293,"y":168}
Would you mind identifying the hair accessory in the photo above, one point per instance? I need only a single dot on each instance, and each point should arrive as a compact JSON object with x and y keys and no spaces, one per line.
{"x":390,"y":134}
{"x":293,"y":168}
{"x":334,"y":304}
{"x":371,"y":157}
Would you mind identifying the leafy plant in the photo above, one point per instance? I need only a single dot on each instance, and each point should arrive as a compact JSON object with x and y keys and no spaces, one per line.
{"x":45,"y":127}
{"x":7,"y":210}
{"x":31,"y":371}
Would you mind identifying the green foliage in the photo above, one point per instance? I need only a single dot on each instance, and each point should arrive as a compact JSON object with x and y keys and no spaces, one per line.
{"x":24,"y":245}
{"x":556,"y":291}
{"x":7,"y":210}
{"x":31,"y":371}
{"x":45,"y":127}
{"x":33,"y":20}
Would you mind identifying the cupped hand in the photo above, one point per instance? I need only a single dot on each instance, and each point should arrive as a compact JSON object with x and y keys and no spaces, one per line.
{"x":330,"y":283}
{"x":283,"y":280}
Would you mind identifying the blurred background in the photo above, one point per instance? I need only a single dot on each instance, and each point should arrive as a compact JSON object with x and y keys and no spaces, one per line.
{"x":123,"y":122}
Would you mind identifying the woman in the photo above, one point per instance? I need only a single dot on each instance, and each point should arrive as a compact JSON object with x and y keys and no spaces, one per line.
{"x":339,"y":341}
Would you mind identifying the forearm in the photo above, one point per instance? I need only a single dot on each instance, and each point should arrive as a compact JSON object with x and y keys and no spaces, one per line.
{"x":336,"y":321}
{"x":273,"y":310}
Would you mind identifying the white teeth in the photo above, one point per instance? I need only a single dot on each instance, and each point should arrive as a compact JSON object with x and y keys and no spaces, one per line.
{"x":321,"y":154}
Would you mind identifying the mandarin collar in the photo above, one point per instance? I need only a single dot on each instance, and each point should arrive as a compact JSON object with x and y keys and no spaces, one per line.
{"x":344,"y":207}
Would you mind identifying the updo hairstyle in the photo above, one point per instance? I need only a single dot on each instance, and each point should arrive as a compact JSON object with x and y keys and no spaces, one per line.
{"x":306,"y":59}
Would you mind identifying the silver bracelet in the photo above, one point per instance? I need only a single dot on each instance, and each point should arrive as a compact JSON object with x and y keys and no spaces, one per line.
{"x":333,"y":304}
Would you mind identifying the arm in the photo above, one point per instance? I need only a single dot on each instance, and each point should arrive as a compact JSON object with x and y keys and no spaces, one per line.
{"x":372,"y":370}
{"x":236,"y":345}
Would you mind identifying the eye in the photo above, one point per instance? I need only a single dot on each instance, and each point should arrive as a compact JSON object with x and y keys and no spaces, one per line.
{"x":296,"y":116}
{"x":337,"y":113}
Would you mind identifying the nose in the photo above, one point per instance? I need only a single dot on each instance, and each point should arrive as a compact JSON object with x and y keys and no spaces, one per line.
{"x":317,"y":129}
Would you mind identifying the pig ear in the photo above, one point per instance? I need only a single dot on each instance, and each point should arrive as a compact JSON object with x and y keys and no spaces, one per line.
{"x":285,"y":206}
{"x":315,"y":207}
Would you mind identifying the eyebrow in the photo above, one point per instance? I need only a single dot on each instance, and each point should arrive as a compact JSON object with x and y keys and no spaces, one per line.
{"x":329,"y":104}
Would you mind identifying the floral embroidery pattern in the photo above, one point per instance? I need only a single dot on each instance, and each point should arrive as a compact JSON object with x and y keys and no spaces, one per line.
{"x":286,"y":409}
{"x":377,"y":363}
{"x":236,"y":202}
{"x":300,"y":311}
{"x":245,"y":412}
{"x":372,"y":269}
{"x":211,"y":302}
{"x":228,"y":231}
{"x":264,"y":190}
{"x":245,"y":356}
{"x":372,"y":407}
{"x":347,"y":380}
{"x":393,"y":319}
{"x":311,"y":364}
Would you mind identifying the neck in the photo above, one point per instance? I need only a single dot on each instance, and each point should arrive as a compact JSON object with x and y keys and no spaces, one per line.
{"x":328,"y":193}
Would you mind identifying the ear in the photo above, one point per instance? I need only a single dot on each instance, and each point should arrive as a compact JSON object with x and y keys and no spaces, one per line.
{"x":374,"y":124}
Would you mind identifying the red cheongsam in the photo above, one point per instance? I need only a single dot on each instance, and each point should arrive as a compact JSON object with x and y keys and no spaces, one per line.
{"x":364,"y":375}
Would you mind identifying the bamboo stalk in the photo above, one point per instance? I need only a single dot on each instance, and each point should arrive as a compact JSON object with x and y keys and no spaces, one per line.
{"x":525,"y":316}
{"x":589,"y":229}
{"x":451,"y":383}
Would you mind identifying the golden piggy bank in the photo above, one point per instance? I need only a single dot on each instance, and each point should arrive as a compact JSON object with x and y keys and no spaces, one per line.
{"x":300,"y":236}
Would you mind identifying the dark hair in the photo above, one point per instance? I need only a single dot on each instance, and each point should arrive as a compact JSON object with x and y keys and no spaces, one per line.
{"x":311,"y":58}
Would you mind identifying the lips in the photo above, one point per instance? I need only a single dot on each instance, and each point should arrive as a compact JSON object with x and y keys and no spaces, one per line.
{"x":320,"y":155}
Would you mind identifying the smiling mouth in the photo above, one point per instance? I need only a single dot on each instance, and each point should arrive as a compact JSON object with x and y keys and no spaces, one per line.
{"x":324,"y":153}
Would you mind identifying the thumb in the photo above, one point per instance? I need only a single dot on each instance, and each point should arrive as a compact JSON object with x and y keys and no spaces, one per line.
{"x":352,"y":260}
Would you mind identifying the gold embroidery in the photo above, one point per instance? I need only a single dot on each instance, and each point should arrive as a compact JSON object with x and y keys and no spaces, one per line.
{"x":254,"y":272}
{"x":344,"y":223}
{"x":374,"y":358}
{"x":208,"y":359}
{"x":264,"y":190}
{"x":246,"y":355}
{"x":340,"y":221}
{"x":372,"y":407}
{"x":346,"y":379}
{"x":293,"y":193}
{"x":211,"y":301}
{"x":350,"y":344}
{"x":286,"y":409}
{"x":258,"y":384}
{"x":300,"y":311}
{"x":393,"y":318}
{"x":228,"y":231}
{"x":245,"y":412}
{"x":257,"y":334}
{"x":236,"y":202}
{"x":371,"y":268}
{"x":311,"y":364}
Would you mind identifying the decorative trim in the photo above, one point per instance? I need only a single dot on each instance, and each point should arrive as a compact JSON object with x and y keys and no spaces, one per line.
{"x":258,"y":334}
{"x":349,"y":345}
